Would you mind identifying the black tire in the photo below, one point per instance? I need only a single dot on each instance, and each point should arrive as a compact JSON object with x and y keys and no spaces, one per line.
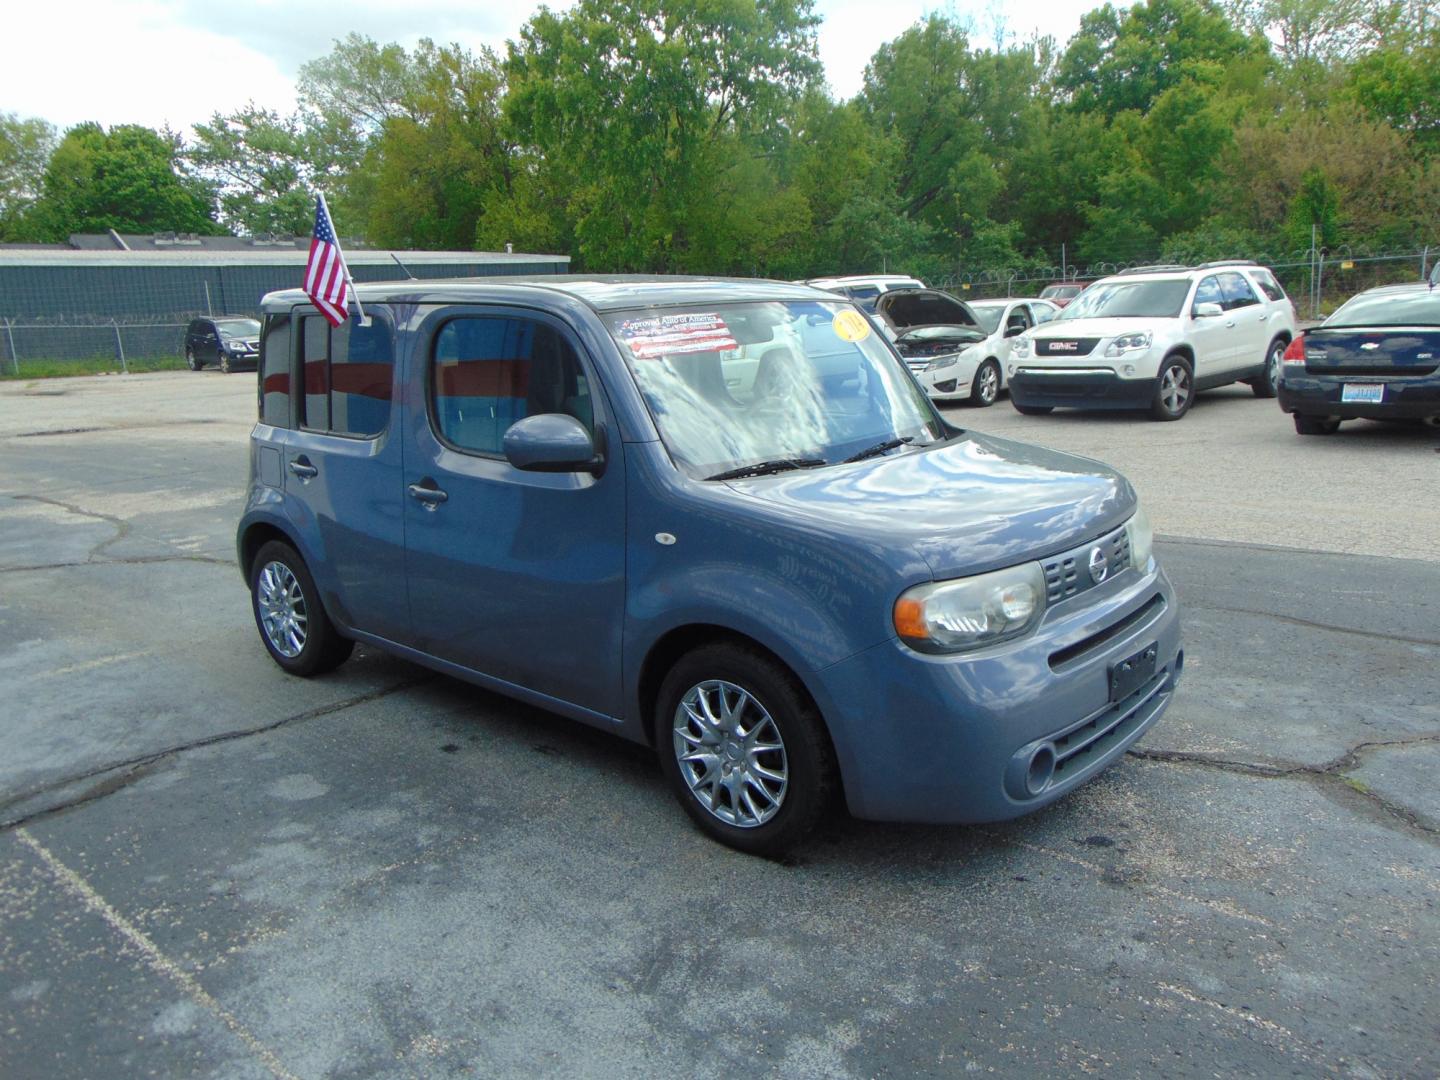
{"x":1173,"y":400}
{"x":984,"y":391}
{"x":1267,"y":383}
{"x":191,"y":361}
{"x":1315,"y":425}
{"x":323,"y":647}
{"x":1032,"y":410}
{"x":806,"y":758}
{"x":225,"y":362}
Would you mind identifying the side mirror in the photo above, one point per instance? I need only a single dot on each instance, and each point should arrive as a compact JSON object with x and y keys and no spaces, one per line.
{"x":1208,"y":311}
{"x":551,"y":442}
{"x":1015,"y":329}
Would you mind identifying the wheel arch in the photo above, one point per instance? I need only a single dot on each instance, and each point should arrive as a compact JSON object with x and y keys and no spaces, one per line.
{"x":255,"y":536}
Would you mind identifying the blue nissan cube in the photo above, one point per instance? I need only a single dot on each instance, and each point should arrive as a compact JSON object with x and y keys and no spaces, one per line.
{"x":716,"y":517}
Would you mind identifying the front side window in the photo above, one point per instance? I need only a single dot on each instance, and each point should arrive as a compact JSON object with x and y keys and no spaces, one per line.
{"x":1208,"y":292}
{"x":348,"y":372}
{"x":1128,"y":299}
{"x":1237,"y":292}
{"x":821,"y":385}
{"x":488,"y":372}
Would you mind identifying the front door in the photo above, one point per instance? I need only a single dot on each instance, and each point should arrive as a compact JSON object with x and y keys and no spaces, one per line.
{"x":518,"y":575}
{"x":1212,"y":335}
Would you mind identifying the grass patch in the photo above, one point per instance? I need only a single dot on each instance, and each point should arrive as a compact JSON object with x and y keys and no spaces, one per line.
{"x":101,"y":365}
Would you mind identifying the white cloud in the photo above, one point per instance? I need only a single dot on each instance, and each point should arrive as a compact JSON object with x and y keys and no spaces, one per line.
{"x":177,"y":62}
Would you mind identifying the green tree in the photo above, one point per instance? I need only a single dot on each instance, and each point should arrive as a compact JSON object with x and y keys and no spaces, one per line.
{"x":126,"y":179}
{"x":25,"y":149}
{"x":262,"y":165}
{"x":1401,"y":86}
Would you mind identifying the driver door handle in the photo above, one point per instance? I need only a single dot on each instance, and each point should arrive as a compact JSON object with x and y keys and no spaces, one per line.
{"x":427,"y":493}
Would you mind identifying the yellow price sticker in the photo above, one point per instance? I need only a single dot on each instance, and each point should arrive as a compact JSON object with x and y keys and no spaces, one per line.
{"x":850,"y":326}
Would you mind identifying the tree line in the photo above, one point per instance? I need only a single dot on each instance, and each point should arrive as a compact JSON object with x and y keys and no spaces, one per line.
{"x":698,"y":136}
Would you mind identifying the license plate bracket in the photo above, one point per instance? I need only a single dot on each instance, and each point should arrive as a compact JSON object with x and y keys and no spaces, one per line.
{"x":1128,"y":675}
{"x":1367,"y":393}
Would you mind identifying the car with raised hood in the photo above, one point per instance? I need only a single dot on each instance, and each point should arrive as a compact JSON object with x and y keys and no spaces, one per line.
{"x":1152,"y":337}
{"x":231,"y":342}
{"x":865,"y":289}
{"x":958,"y":349}
{"x":814,"y":590}
{"x":1377,"y":358}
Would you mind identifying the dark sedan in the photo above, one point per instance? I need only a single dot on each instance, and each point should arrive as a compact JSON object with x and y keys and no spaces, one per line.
{"x":1377,"y":358}
{"x":231,"y":341}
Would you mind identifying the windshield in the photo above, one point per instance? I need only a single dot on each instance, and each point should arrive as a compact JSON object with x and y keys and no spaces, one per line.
{"x":1413,"y":309}
{"x":1129,"y":300}
{"x":247,"y":328}
{"x":988,"y":316}
{"x":736,"y":385}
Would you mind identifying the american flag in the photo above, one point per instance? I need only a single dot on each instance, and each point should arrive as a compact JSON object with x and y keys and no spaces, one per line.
{"x":327,"y":279}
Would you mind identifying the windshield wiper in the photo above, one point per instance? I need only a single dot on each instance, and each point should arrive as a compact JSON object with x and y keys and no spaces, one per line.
{"x":765,"y":468}
{"x":878,"y":449}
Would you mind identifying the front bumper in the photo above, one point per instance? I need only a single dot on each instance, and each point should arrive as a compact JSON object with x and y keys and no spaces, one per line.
{"x":1087,"y":388}
{"x":950,"y":383}
{"x":952,"y":739}
{"x":1406,"y":398}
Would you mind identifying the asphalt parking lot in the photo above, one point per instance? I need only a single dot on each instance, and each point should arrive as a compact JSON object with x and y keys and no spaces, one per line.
{"x":210,"y":868}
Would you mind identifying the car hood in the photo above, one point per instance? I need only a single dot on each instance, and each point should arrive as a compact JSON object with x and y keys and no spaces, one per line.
{"x":1061,"y":329}
{"x":973,"y":504}
{"x":906,"y":308}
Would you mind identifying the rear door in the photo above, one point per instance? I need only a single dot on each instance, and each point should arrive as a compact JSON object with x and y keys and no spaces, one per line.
{"x":519,"y":575}
{"x":342,"y":469}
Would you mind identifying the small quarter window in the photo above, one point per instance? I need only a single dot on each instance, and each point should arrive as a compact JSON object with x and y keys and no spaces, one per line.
{"x":489,"y":372}
{"x":1268,"y":285}
{"x":275,"y":371}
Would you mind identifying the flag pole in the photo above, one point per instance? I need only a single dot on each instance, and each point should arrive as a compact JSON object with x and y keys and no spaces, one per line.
{"x":364,"y":319}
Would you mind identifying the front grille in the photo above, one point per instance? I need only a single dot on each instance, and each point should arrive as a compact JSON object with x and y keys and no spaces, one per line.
{"x":1069,"y":573}
{"x":1065,"y":346}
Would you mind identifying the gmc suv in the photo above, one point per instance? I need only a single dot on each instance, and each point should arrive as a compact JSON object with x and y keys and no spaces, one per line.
{"x":1149,"y":338}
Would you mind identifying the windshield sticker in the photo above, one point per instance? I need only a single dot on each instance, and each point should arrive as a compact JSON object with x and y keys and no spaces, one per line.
{"x":649,"y":339}
{"x":850,"y":326}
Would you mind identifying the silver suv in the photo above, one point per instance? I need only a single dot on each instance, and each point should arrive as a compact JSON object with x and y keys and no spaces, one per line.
{"x":1150,"y":338}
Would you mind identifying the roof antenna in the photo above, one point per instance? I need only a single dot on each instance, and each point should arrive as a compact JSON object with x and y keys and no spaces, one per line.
{"x":402,"y":266}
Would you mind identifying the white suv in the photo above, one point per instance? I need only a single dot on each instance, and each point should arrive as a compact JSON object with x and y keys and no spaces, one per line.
{"x":1150,"y":338}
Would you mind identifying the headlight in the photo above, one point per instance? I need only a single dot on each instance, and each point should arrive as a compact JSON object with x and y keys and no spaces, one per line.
{"x":1129,"y":343}
{"x":943,"y":362}
{"x":1142,"y":540}
{"x":954,"y":616}
{"x":1020,"y":346}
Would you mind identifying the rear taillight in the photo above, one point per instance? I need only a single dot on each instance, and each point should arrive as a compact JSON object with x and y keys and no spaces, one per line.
{"x":1295,"y":352}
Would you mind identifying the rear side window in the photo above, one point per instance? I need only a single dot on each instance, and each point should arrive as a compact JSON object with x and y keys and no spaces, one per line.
{"x":488,"y":372}
{"x":275,"y":371}
{"x":1237,"y":291}
{"x":1268,"y":285}
{"x":348,"y":373}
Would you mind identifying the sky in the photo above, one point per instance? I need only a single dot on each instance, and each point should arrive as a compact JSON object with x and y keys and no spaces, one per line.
{"x":177,"y":62}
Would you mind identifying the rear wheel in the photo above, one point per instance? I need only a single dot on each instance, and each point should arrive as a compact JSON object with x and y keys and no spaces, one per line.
{"x":191,"y":361}
{"x":985,"y":387}
{"x":1033,"y":410}
{"x":1176,"y":391}
{"x":1267,"y":383}
{"x":1315,"y":425}
{"x":744,"y":749}
{"x":293,"y":625}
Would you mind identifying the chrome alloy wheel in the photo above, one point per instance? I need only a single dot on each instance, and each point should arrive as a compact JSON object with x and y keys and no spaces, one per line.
{"x":730,"y":753}
{"x":988,"y":388}
{"x":282,"y":609}
{"x":1174,"y":388}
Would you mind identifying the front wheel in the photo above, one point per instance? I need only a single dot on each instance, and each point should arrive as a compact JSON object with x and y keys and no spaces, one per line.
{"x":985,"y":387}
{"x":1175,"y":391}
{"x":1315,"y":425}
{"x":225,"y":363}
{"x":293,"y":625}
{"x":1267,"y":383}
{"x":744,"y":749}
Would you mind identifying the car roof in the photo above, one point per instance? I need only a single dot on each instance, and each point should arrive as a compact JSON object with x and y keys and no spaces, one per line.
{"x":603,"y":292}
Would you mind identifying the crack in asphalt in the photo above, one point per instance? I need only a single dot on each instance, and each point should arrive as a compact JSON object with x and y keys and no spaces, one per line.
{"x":137,"y":768}
{"x":1332,"y":776}
{"x":125,"y":560}
{"x":122,"y":527}
{"x":1311,"y":624}
{"x":97,"y":554}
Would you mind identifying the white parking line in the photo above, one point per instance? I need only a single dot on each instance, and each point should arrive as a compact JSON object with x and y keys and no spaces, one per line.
{"x":78,"y":887}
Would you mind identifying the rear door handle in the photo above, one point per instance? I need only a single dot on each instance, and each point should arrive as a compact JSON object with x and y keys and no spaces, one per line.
{"x":302,"y":468}
{"x":427,"y":493}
